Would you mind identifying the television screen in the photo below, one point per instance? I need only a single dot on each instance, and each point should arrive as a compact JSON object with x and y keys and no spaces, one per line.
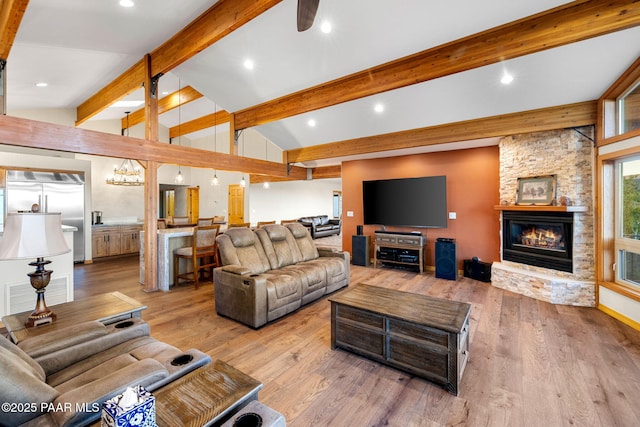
{"x":410,"y":202}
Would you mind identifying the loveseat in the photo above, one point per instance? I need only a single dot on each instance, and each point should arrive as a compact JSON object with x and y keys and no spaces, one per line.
{"x":61,"y":378}
{"x":272,"y":271}
{"x":321,"y":225}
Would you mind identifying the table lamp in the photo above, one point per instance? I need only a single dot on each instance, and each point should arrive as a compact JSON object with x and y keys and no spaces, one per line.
{"x":34,"y":235}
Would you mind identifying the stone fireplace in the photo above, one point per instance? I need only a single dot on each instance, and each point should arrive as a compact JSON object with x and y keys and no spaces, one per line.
{"x":547,"y":252}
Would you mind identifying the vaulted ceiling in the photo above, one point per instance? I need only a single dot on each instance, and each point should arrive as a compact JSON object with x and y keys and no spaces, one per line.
{"x":435,"y":68}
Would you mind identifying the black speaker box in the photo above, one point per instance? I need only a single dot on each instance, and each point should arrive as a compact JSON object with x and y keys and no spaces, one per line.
{"x":477,"y":270}
{"x":446,"y":259}
{"x":360,"y":250}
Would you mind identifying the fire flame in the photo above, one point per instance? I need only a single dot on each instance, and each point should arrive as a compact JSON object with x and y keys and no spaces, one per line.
{"x":542,"y":238}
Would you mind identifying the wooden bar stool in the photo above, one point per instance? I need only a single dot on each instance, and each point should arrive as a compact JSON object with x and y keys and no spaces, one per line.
{"x":202,"y":254}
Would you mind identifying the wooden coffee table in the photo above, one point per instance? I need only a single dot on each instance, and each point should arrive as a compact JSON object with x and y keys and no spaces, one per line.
{"x":425,"y":336}
{"x":106,"y":308}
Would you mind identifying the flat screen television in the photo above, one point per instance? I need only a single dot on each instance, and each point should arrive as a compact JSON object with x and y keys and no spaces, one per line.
{"x":410,"y":202}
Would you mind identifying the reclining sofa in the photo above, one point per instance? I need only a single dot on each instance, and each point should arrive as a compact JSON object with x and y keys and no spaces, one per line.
{"x":61,"y":378}
{"x":321,"y":225}
{"x":272,"y":271}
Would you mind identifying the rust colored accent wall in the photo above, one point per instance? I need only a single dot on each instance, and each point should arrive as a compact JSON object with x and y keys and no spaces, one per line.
{"x":473,"y":183}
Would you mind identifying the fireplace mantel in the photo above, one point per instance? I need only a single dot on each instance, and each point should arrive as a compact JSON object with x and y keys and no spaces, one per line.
{"x":534,"y":208}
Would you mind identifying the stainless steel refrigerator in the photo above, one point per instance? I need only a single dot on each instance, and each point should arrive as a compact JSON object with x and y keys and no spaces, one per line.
{"x":53,"y":192}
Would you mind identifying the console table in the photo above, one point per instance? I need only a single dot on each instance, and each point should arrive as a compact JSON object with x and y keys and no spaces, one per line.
{"x":425,"y":336}
{"x":400,"y":249}
{"x":106,"y":308}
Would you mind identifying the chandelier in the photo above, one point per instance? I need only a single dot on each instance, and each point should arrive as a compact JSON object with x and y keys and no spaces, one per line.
{"x":128,"y":173}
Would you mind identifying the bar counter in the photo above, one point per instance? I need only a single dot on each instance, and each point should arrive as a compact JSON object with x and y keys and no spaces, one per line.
{"x":169,"y":239}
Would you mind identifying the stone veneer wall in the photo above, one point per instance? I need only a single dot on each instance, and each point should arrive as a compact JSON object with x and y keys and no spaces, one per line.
{"x":570,"y":156}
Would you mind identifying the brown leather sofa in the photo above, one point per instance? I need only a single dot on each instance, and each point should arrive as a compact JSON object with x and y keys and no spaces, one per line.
{"x":272,"y":271}
{"x":61,"y":378}
{"x":321,"y":225}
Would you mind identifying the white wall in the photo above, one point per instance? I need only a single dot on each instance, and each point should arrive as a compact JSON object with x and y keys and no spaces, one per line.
{"x":292,"y":199}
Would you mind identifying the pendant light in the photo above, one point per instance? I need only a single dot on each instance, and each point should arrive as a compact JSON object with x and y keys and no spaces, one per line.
{"x":179,"y":178}
{"x":128,"y":173}
{"x":243,"y":183}
{"x":214,"y":179}
{"x":265,"y":185}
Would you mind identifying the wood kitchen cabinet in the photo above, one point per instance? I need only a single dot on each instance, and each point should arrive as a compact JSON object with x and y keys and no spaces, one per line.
{"x":115,"y":240}
{"x":130,"y":239}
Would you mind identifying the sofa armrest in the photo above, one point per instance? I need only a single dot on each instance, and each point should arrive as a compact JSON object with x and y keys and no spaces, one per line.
{"x":241,"y":297}
{"x":236,"y":269}
{"x":115,"y":334}
{"x":326,"y":251}
{"x":55,"y":340}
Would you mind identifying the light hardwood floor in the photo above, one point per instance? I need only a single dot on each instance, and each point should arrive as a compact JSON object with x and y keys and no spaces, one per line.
{"x":531,"y":363}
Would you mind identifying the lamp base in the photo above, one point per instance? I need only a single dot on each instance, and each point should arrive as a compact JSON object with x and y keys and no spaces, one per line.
{"x":39,"y":281}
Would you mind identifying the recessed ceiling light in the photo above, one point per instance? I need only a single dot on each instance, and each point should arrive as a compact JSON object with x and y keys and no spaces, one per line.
{"x":311,"y":122}
{"x":248,"y":64}
{"x":378,"y":108}
{"x":126,"y":3}
{"x":325,"y":27}
{"x":42,"y":84}
{"x":506,"y":79}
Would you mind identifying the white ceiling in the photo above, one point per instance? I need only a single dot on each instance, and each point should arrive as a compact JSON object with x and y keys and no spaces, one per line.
{"x":80,"y":46}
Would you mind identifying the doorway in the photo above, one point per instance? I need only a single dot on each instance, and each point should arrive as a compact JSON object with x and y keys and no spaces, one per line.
{"x":236,"y":204}
{"x":337,"y":204}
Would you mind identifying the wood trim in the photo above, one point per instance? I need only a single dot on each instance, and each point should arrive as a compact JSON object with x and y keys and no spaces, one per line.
{"x":570,"y":23}
{"x":31,"y":133}
{"x":620,"y":317}
{"x":168,"y":103}
{"x":572,"y":115}
{"x":204,"y":122}
{"x":607,"y":127}
{"x":525,"y":208}
{"x":130,"y":81}
{"x":618,"y":138}
{"x":11,"y":13}
{"x":624,"y":82}
{"x":622,"y":290}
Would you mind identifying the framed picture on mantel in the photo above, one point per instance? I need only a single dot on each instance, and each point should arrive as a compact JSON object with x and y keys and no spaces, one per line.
{"x":536,"y":190}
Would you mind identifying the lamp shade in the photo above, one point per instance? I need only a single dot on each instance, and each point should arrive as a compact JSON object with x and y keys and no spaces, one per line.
{"x":32,"y":235}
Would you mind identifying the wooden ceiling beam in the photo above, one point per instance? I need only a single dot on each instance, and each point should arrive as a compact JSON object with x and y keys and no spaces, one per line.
{"x":564,"y":116}
{"x":35,"y":134}
{"x":11,"y":13}
{"x":128,"y":82}
{"x":168,"y":103}
{"x":570,"y":23}
{"x":322,"y":172}
{"x":204,"y":122}
{"x":219,"y":20}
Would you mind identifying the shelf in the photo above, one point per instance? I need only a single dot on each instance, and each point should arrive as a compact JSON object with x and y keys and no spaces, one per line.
{"x":533,"y":208}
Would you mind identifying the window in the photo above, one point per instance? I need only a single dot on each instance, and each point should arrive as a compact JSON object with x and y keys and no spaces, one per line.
{"x":629,"y":110}
{"x":627,"y":243}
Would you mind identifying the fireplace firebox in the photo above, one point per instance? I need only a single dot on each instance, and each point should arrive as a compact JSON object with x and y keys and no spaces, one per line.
{"x":541,"y":239}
